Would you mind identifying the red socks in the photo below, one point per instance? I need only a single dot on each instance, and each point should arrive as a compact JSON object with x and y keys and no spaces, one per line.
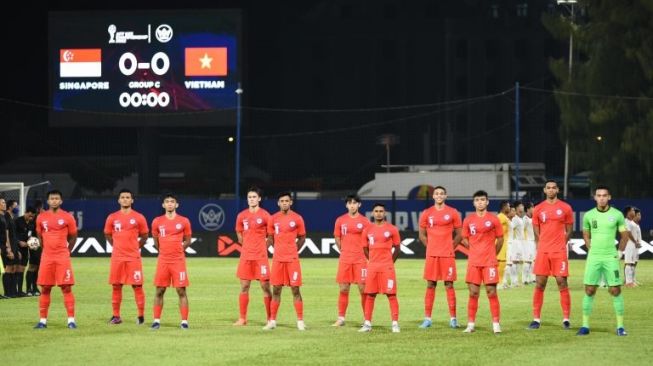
{"x":369,"y":307}
{"x":274,"y":308}
{"x":157,"y":311}
{"x":139,"y":295}
{"x":243,"y":301}
{"x":394,"y":307}
{"x":343,"y":301}
{"x":429,"y":298}
{"x":538,"y":300}
{"x":299,"y":309}
{"x":451,"y":300}
{"x":183,"y":310}
{"x":116,"y":299}
{"x":69,"y":301}
{"x":495,"y":308}
{"x":565,"y":302}
{"x":266,"y":301}
{"x":472,"y":308}
{"x":363,"y":300}
{"x":44,"y":301}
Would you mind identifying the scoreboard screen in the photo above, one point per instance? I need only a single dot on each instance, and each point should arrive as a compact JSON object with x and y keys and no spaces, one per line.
{"x":144,"y":68}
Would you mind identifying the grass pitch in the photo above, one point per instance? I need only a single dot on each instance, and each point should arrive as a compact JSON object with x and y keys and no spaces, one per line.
{"x":213,"y":297}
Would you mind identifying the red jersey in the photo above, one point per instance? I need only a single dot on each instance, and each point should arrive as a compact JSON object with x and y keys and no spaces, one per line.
{"x":125,"y":228}
{"x":349,"y":229}
{"x":380,"y":239}
{"x":439,"y":226}
{"x":170,"y":233}
{"x":54,"y":228}
{"x":551,"y":218}
{"x":286,"y":228}
{"x":482,"y":232}
{"x":253,"y":228}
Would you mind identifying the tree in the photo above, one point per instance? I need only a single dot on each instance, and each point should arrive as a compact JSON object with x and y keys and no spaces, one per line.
{"x":609,"y":136}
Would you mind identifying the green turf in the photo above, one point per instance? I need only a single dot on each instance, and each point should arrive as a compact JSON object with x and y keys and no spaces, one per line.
{"x":212,"y":339}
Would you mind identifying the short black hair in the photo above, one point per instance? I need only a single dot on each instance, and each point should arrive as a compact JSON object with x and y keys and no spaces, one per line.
{"x":627,"y":209}
{"x":352,"y":197}
{"x":283,"y":194}
{"x":256,"y":190}
{"x":550,"y":181}
{"x":502,"y":204}
{"x":637,"y":210}
{"x":169,"y":195}
{"x":378,"y":204}
{"x":517,"y":203}
{"x":440,"y":187}
{"x":601,"y":186}
{"x":527,"y":205}
{"x":30,"y":209}
{"x":54,"y":192}
{"x":125,"y":190}
{"x":480,"y":193}
{"x":11,"y":202}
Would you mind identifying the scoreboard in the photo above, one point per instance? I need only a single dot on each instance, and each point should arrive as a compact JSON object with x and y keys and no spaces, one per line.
{"x":144,"y":68}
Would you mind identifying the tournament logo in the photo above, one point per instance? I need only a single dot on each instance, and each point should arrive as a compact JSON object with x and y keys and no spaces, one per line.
{"x":211,"y":217}
{"x":163,"y":33}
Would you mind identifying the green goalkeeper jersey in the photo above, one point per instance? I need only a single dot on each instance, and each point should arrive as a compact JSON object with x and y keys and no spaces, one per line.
{"x":603,"y":228}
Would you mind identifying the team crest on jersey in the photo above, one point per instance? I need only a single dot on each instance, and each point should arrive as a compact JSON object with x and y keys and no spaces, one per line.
{"x":386,"y":234}
{"x":60,"y":221}
{"x":178,"y":226}
{"x":292,"y":224}
{"x":447,"y":217}
{"x":359,"y":225}
{"x":259,"y":220}
{"x":488,"y":224}
{"x":132,"y":221}
{"x":558,"y":212}
{"x":611,"y":219}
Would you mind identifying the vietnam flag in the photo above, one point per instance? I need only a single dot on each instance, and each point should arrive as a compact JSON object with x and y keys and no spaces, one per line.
{"x":210,"y":61}
{"x":79,"y":63}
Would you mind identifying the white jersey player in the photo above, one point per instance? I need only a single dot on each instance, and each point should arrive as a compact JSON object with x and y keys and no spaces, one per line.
{"x":631,"y":255}
{"x":516,"y":248}
{"x":508,"y":241}
{"x":528,"y":245}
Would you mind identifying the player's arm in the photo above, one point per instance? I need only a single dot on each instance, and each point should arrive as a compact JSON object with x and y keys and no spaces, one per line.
{"x":300,"y":241}
{"x":156,"y":242}
{"x":499,"y":243}
{"x":142,"y":240}
{"x":366,"y":251}
{"x":569,"y":229}
{"x":587,"y":238}
{"x":186,"y":241}
{"x":536,"y":235}
{"x":239,"y":236}
{"x":269,"y":240}
{"x":337,"y":233}
{"x":625,"y":236}
{"x":396,"y":241}
{"x":457,"y":237}
{"x":10,"y":254}
{"x":422,"y":236}
{"x":109,"y":238}
{"x":72,"y":239}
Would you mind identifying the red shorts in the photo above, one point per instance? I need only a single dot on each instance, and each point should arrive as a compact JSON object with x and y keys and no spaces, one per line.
{"x":477,"y":275}
{"x":551,"y":264}
{"x":56,"y":272}
{"x":168,"y":274}
{"x":286,"y":273}
{"x":351,"y":272}
{"x":440,"y":269}
{"x":258,"y":269}
{"x":384,"y":282}
{"x":126,"y":272}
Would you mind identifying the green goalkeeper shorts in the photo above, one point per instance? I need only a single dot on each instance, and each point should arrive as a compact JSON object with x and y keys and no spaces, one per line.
{"x":608,"y":268}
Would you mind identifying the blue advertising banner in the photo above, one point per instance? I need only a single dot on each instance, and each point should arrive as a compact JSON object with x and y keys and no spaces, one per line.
{"x":219,"y":216}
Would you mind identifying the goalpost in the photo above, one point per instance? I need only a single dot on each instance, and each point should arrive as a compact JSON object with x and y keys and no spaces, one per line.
{"x":18,"y":191}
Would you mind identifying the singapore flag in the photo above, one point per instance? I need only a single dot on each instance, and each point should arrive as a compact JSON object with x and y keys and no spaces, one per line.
{"x":81,"y":62}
